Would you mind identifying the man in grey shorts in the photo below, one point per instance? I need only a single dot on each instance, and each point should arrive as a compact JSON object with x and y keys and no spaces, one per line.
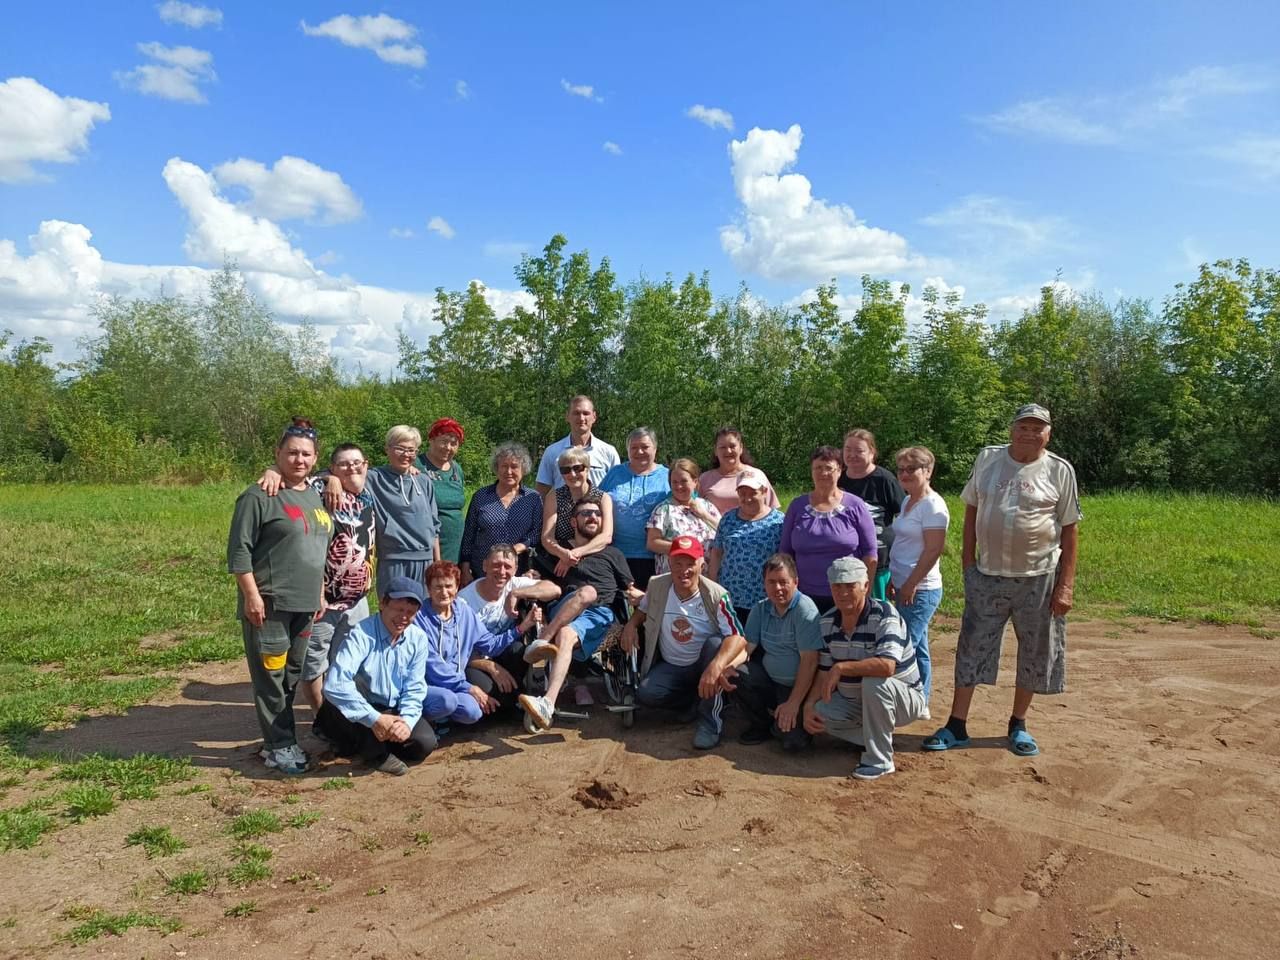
{"x":1019,"y":555}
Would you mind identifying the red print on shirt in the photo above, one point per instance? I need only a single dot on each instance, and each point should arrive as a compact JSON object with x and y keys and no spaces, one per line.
{"x":296,"y":513}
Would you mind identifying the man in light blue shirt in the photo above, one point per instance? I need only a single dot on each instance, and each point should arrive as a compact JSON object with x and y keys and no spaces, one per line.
{"x":374,"y":690}
{"x":582,"y":417}
{"x":784,"y":639}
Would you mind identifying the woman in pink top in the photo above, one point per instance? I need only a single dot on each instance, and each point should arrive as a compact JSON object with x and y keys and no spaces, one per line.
{"x":720,"y":483}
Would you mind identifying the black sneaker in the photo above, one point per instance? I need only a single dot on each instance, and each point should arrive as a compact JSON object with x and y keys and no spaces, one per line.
{"x":754,"y":735}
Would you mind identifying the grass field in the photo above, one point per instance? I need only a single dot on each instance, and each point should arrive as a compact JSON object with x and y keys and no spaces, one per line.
{"x":114,"y":587}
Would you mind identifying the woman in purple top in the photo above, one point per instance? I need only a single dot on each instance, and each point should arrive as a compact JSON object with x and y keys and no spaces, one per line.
{"x":825,"y":525}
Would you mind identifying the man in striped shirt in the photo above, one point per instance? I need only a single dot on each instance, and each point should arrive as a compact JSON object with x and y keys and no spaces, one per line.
{"x":869,"y":682}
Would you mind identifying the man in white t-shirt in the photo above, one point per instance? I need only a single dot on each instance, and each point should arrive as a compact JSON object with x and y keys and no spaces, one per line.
{"x":582,"y":417}
{"x":493,"y":598}
{"x":697,"y":640}
{"x":1021,"y":514}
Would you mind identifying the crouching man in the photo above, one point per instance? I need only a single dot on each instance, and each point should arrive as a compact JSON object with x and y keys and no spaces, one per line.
{"x":869,"y":682}
{"x":374,"y":689}
{"x":784,"y":640}
{"x":697,"y":640}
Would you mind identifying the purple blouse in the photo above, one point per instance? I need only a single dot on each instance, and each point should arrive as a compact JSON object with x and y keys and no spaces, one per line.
{"x":815,"y":539}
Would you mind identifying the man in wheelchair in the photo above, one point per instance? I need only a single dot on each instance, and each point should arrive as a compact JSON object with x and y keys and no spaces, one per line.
{"x":582,"y":616}
{"x":697,"y":639}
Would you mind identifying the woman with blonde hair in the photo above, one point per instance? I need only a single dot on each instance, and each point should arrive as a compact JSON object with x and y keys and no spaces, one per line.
{"x":684,"y":513}
{"x":557,"y":510}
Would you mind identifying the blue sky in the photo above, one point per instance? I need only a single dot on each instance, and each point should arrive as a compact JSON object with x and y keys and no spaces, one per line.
{"x":983,"y":147}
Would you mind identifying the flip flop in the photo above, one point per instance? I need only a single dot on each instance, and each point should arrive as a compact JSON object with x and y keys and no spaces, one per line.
{"x":1023,"y":744}
{"x":944,"y":739}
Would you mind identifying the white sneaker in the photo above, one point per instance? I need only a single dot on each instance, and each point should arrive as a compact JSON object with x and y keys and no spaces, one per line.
{"x":926,"y":715}
{"x":540,"y":651}
{"x":539,"y":709}
{"x":290,"y":760}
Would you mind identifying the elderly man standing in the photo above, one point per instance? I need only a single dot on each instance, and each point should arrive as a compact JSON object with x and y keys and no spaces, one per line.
{"x":870,"y":682}
{"x":687,"y":659}
{"x":1019,"y":555}
{"x":374,"y":690}
{"x":604,"y":457}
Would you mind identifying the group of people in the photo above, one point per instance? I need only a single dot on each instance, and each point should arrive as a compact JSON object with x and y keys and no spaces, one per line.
{"x":813,"y":620}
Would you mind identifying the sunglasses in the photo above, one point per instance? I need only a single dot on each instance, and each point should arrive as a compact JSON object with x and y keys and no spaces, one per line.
{"x":588,"y":513}
{"x":565,"y":471}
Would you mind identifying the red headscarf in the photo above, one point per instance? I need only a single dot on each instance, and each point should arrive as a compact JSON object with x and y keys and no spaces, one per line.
{"x":446,"y":425}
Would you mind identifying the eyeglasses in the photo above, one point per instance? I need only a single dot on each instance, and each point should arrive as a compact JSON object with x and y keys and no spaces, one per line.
{"x":905,"y":468}
{"x":576,"y":468}
{"x":588,"y":513}
{"x":405,"y":451}
{"x":349,"y":464}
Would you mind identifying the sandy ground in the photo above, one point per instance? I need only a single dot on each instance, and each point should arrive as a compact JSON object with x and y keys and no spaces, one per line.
{"x":1147,"y":828}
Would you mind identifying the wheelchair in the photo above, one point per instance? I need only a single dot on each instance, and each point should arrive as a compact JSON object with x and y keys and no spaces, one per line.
{"x":618,"y":671}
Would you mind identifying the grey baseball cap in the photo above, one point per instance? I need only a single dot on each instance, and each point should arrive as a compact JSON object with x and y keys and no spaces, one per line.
{"x":847,"y":570}
{"x":1032,"y":411}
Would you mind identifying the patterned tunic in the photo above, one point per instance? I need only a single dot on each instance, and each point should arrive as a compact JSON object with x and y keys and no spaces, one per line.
{"x":673,"y":520}
{"x":746,"y":545}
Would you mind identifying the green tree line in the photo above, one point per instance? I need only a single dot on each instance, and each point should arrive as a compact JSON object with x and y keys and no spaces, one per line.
{"x":1185,"y":396}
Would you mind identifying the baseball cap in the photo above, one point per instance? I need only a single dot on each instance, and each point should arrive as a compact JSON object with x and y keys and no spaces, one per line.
{"x":753,"y":479}
{"x":686,"y":547}
{"x":1032,"y":411}
{"x":405,"y":588}
{"x":847,"y":570}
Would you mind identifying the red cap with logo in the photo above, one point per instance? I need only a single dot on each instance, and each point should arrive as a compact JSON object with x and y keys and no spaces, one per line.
{"x":686,"y":547}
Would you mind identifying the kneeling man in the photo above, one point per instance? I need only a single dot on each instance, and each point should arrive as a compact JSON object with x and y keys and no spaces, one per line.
{"x":697,"y":640}
{"x":583,"y":615}
{"x":870,"y":682}
{"x":784,"y":638}
{"x":374,"y":689}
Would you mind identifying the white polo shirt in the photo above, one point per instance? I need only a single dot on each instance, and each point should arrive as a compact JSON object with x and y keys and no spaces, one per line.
{"x":603,"y":458}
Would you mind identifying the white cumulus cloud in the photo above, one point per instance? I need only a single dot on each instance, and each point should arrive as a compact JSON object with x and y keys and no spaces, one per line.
{"x":175,"y":74}
{"x":461,"y":90}
{"x":784,"y":232}
{"x":189,"y":14}
{"x":441,"y":226}
{"x":292,"y":189}
{"x":711,"y":116}
{"x":586,"y":91}
{"x":610,"y":147}
{"x":52,"y":290}
{"x":392,"y":40}
{"x":39,"y":126}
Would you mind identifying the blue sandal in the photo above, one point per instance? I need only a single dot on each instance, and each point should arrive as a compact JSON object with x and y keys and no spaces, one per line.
{"x":944,"y":739}
{"x":1023,"y":744}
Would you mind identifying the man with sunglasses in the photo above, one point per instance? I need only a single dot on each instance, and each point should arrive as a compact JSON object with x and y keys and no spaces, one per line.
{"x":583,"y":615}
{"x":581,"y":416}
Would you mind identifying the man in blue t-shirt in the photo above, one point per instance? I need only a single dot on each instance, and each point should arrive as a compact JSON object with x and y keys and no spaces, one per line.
{"x":784,"y":638}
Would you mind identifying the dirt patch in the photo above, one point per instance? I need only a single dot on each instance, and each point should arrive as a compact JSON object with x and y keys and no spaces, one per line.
{"x":969,"y":853}
{"x":605,"y":795}
{"x":705,"y":788}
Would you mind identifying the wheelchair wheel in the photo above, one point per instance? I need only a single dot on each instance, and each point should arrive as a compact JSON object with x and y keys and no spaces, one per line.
{"x":629,"y":717}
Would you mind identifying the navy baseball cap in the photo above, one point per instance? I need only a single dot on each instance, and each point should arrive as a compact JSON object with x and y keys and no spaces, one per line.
{"x":405,"y":588}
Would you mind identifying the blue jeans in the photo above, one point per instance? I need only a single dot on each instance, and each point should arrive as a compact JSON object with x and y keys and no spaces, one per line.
{"x":916,"y":615}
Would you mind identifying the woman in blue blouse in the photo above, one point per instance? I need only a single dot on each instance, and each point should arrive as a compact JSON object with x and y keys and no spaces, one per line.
{"x":636,"y":486}
{"x":748,"y":535}
{"x":503,"y":512}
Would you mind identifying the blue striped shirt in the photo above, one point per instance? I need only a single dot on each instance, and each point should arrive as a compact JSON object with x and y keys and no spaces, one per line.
{"x":879,"y":632}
